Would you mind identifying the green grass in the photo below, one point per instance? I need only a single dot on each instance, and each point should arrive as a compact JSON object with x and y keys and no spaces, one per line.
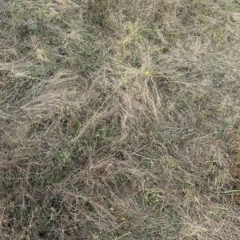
{"x":119,"y":120}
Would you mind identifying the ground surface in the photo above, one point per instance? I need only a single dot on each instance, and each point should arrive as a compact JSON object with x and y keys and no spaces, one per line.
{"x":120,"y":119}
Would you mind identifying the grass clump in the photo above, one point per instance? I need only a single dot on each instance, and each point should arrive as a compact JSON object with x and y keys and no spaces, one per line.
{"x":119,"y":120}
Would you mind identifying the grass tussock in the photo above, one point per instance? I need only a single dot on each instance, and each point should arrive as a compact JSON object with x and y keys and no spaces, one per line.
{"x":119,"y":119}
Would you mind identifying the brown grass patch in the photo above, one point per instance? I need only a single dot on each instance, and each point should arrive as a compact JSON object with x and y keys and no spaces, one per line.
{"x":119,"y":119}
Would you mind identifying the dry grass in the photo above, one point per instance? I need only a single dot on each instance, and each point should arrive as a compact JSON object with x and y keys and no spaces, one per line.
{"x":119,"y":119}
